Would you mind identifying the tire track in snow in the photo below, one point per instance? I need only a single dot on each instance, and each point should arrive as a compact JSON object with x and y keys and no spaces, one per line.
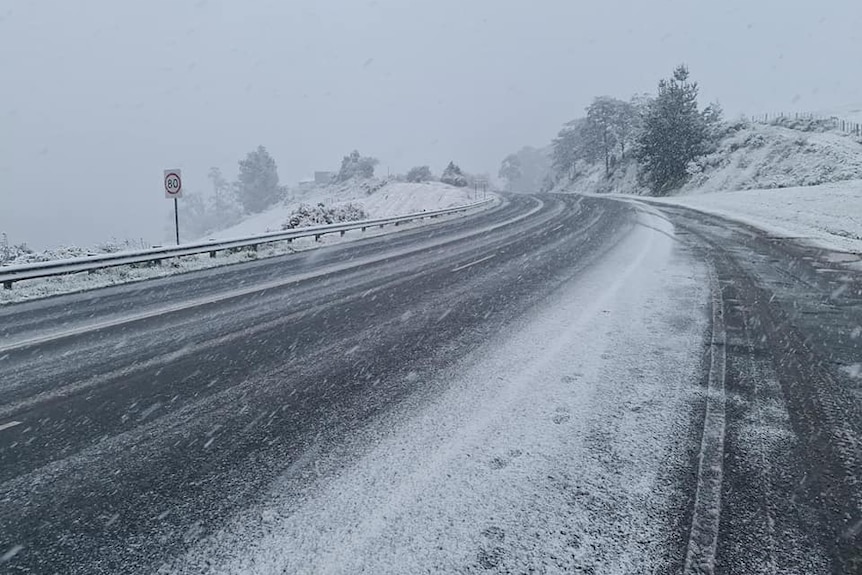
{"x":784,"y":299}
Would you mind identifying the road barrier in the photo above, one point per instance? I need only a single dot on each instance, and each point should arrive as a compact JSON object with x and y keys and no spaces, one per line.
{"x":11,"y":274}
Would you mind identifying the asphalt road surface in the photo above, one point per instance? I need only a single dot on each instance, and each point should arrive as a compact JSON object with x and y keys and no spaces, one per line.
{"x":557,"y":384}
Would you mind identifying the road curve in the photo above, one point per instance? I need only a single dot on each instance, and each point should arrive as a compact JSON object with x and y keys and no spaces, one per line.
{"x":558,"y":384}
{"x":117,"y":404}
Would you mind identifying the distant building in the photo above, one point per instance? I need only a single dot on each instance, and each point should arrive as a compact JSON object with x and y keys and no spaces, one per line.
{"x":323,"y":177}
{"x":306,"y":183}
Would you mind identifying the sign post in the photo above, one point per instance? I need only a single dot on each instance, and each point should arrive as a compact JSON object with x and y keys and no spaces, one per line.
{"x":174,"y":190}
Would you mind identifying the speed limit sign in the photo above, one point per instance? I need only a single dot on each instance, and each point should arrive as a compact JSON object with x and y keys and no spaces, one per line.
{"x":173,"y":184}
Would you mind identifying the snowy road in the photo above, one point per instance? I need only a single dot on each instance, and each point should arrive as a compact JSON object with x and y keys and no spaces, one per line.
{"x":523,"y":390}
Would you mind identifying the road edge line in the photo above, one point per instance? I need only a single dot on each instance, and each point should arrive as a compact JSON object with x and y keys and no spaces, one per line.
{"x":703,"y":537}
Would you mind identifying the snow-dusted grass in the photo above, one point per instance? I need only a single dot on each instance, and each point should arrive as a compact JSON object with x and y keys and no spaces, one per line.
{"x":829,"y":215}
{"x":391,"y":200}
{"x":758,"y":156}
{"x":403,"y":198}
{"x":544,"y":454}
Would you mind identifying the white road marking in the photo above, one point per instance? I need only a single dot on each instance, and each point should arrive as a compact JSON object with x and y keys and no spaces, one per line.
{"x":703,"y":538}
{"x":8,"y":425}
{"x":471,"y":264}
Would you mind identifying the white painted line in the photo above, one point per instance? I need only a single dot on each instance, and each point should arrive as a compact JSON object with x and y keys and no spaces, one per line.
{"x":703,"y":538}
{"x":10,"y":424}
{"x":471,"y":264}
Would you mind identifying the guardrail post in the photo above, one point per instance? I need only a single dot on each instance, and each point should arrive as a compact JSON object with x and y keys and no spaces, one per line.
{"x":212,"y":254}
{"x":317,"y":237}
{"x":343,"y":232}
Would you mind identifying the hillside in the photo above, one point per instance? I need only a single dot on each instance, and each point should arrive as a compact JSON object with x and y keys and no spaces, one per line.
{"x":386,"y":199}
{"x":749,"y":155}
{"x":783,"y":155}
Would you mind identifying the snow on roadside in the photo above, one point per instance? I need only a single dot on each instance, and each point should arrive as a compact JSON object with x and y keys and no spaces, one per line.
{"x":391,"y":200}
{"x":548,"y":452}
{"x":829,"y":215}
{"x":40,"y":288}
{"x":402,"y":198}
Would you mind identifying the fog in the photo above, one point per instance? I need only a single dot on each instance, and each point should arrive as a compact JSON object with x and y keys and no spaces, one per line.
{"x":99,"y":96}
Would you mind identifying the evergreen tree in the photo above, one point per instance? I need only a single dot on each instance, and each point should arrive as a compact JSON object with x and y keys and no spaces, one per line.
{"x":674,"y":133}
{"x":258,"y":186}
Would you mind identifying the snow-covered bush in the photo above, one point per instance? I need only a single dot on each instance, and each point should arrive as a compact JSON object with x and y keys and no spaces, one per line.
{"x":22,"y":254}
{"x":420,"y":174}
{"x":820,"y":125}
{"x":453,"y":176}
{"x":356,"y":166}
{"x":372,"y":185}
{"x":14,"y":254}
{"x":305,"y":215}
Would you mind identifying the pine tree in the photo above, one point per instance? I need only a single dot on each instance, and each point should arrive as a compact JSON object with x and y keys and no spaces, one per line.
{"x":258,"y":186}
{"x":674,"y":133}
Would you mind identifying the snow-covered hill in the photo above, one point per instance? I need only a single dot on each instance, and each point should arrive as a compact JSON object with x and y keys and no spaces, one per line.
{"x":783,"y":154}
{"x":801,"y":179}
{"x":385,"y":200}
{"x":798,"y":178}
{"x":765,"y":156}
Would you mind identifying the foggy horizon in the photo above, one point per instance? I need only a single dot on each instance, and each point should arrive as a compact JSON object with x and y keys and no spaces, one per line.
{"x":101,"y":98}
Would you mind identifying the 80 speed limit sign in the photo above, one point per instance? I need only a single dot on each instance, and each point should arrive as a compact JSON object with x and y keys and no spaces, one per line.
{"x":173,"y":184}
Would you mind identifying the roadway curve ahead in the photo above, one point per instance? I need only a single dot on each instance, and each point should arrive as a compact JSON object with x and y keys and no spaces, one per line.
{"x":522,"y":389}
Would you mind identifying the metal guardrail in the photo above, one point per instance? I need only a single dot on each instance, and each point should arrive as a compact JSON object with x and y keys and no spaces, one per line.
{"x":11,"y":274}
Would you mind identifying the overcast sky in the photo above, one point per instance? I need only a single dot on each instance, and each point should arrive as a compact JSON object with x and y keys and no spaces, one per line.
{"x":98,"y":96}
